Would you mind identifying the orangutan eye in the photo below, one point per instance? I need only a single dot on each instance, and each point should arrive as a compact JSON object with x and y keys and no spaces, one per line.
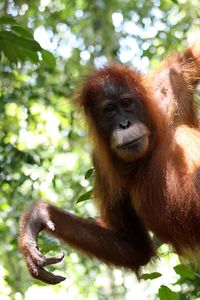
{"x":126,"y":102}
{"x":109,"y":109}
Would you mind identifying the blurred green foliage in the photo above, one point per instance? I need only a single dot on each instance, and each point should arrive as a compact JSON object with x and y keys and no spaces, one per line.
{"x":46,"y":48}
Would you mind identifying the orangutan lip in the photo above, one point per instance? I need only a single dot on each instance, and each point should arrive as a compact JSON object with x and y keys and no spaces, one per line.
{"x":132,"y":143}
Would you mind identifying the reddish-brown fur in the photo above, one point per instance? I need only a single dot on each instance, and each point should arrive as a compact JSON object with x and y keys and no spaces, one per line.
{"x":174,"y":84}
{"x":159,"y":192}
{"x":164,"y":188}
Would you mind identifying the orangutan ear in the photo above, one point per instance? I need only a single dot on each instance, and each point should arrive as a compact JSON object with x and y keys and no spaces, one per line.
{"x":194,"y":44}
{"x":162,"y":88}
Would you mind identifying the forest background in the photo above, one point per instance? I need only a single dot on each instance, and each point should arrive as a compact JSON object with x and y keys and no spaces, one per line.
{"x":46,"y":49}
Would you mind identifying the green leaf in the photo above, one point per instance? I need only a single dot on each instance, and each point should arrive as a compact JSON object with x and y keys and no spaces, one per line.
{"x":8,"y":50}
{"x":22,"y":31}
{"x":166,"y":294}
{"x":49,"y":247}
{"x":184,"y":271}
{"x":7,"y":20}
{"x":29,"y":44}
{"x":89,"y":173}
{"x":85,"y":196}
{"x":19,"y":41}
{"x":48,"y":58}
{"x":12,"y":47}
{"x":32,"y":56}
{"x":21,"y":54}
{"x":7,"y":35}
{"x":151,"y":276}
{"x":175,"y":1}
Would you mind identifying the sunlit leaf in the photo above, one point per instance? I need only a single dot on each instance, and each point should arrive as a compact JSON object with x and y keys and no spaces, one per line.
{"x":151,"y":276}
{"x":48,"y":58}
{"x":7,"y":20}
{"x":32,"y":56}
{"x":21,"y":55}
{"x":8,"y":50}
{"x":19,"y":41}
{"x":85,"y":196}
{"x":166,"y":294}
{"x":89,"y":173}
{"x":29,"y":44}
{"x":184,"y":271}
{"x":22,"y":31}
{"x":8,"y":35}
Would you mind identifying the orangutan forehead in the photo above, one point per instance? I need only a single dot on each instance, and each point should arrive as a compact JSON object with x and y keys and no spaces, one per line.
{"x":112,"y":86}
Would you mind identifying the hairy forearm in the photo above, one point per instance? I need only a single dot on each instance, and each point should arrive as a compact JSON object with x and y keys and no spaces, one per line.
{"x":106,"y":244}
{"x":110,"y":245}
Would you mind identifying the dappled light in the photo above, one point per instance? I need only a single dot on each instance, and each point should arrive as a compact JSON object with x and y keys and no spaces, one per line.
{"x":47,"y":48}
